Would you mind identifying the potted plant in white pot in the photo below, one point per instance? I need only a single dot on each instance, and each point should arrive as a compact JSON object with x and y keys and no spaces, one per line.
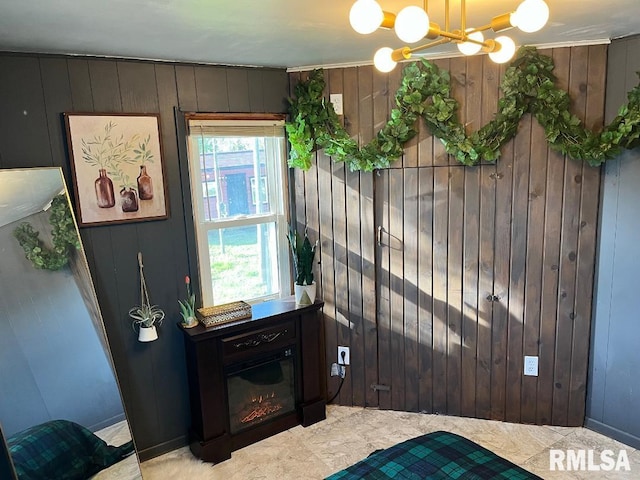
{"x":303,"y":254}
{"x":188,"y":306}
{"x":145,"y":316}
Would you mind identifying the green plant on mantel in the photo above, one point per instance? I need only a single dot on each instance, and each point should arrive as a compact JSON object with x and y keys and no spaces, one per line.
{"x":529,"y":86}
{"x":65,"y":237}
{"x":302,"y":252}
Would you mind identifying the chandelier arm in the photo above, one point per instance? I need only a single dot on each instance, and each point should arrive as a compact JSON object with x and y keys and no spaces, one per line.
{"x":428,"y":45}
{"x":483,"y":28}
{"x":491,"y":46}
{"x":447,"y":20}
{"x":453,"y":36}
{"x":399,"y":54}
{"x":388,"y":20}
{"x":483,"y":43}
{"x":457,"y":36}
{"x":501,"y":22}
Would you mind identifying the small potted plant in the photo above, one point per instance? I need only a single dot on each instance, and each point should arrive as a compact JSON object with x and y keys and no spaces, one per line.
{"x":303,"y":254}
{"x":145,"y":316}
{"x":187,"y":307}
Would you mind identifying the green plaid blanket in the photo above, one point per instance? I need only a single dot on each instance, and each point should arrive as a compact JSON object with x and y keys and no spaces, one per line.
{"x":62,"y":450}
{"x":437,"y":455}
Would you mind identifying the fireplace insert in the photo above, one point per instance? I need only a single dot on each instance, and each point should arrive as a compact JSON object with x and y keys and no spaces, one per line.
{"x":261,"y":389}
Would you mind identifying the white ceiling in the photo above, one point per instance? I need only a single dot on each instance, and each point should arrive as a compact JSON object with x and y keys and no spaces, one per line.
{"x":270,"y":33}
{"x":24,"y":192}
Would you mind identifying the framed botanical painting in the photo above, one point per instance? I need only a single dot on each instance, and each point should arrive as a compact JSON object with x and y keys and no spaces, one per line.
{"x":117,"y":165}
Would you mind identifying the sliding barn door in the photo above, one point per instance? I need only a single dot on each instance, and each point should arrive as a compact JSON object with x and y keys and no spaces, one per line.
{"x":477,"y":267}
{"x":437,"y":298}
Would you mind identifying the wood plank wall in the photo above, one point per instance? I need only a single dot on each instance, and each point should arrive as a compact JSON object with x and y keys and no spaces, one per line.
{"x":414,"y":310}
{"x":34,"y":91}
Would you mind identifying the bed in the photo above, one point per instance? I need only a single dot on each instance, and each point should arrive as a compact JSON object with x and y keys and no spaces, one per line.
{"x":62,"y":450}
{"x":436,"y":455}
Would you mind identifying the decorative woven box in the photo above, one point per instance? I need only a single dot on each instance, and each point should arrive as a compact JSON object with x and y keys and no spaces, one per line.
{"x":220,"y":314}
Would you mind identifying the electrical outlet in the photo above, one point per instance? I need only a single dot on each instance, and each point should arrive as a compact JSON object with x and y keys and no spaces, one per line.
{"x":336,"y":101}
{"x":345,"y":360}
{"x":531,"y":366}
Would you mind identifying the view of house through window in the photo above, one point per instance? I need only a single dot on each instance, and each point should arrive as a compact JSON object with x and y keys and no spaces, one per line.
{"x":240,"y":222}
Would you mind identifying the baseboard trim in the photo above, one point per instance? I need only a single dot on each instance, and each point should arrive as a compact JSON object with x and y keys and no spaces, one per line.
{"x":157,"y":450}
{"x":612,"y":432}
{"x":107,"y":423}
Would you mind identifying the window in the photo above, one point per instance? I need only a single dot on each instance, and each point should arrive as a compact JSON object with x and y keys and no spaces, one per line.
{"x":210,"y":189}
{"x":263,"y":190}
{"x":240,"y":229}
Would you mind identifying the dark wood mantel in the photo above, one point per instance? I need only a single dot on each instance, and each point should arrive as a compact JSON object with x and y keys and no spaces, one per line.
{"x":207,"y":351}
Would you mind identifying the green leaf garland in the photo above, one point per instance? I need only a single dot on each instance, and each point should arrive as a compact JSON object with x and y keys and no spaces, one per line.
{"x":529,"y":86}
{"x":64,"y":235}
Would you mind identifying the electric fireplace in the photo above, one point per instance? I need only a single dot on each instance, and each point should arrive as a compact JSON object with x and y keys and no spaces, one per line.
{"x":254,"y":378}
{"x":261,"y":389}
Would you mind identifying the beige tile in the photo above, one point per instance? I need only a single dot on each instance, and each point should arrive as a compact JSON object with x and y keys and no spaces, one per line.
{"x":351,"y":433}
{"x":540,"y":465}
{"x":292,"y":462}
{"x":338,"y":445}
{"x":127,"y":469}
{"x":116,"y":434}
{"x":337,"y":412}
{"x":590,"y":439}
{"x":582,"y":439}
{"x":515,"y":442}
{"x":561,"y":430}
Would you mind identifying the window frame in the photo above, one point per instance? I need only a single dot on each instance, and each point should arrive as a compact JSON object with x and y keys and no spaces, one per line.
{"x":278,"y":197}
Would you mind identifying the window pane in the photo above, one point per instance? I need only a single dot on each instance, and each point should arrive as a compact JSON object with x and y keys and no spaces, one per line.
{"x":229,"y":166}
{"x":243,"y":262}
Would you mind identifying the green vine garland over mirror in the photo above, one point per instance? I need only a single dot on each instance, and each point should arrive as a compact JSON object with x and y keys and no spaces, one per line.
{"x":65,"y":238}
{"x":528,"y":87}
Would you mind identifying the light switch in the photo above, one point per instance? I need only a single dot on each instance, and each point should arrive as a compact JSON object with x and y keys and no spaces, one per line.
{"x":336,"y":101}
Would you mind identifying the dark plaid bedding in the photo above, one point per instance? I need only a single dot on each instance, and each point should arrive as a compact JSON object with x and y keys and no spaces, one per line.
{"x":62,"y":450}
{"x":437,"y":455}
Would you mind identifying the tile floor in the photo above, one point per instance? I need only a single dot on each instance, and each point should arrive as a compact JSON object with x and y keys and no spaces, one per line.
{"x":127,"y":469}
{"x":350,"y":434}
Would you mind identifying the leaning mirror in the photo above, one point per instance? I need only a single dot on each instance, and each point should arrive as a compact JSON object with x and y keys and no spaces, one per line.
{"x":56,"y":372}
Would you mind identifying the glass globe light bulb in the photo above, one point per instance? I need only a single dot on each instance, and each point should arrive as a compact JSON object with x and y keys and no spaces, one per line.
{"x":365,"y":16}
{"x":412,"y":24}
{"x":383,"y":61}
{"x":531,"y":15}
{"x":469,"y":48}
{"x":506,"y":52}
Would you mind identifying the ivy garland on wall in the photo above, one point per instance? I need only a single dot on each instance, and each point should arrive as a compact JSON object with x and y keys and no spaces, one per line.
{"x":65,"y":238}
{"x":425,"y":91}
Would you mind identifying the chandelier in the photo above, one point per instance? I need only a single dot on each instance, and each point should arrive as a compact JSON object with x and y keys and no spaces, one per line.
{"x":412,"y":24}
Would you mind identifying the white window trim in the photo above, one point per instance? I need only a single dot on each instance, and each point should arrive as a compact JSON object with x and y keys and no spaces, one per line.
{"x":202,"y":227}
